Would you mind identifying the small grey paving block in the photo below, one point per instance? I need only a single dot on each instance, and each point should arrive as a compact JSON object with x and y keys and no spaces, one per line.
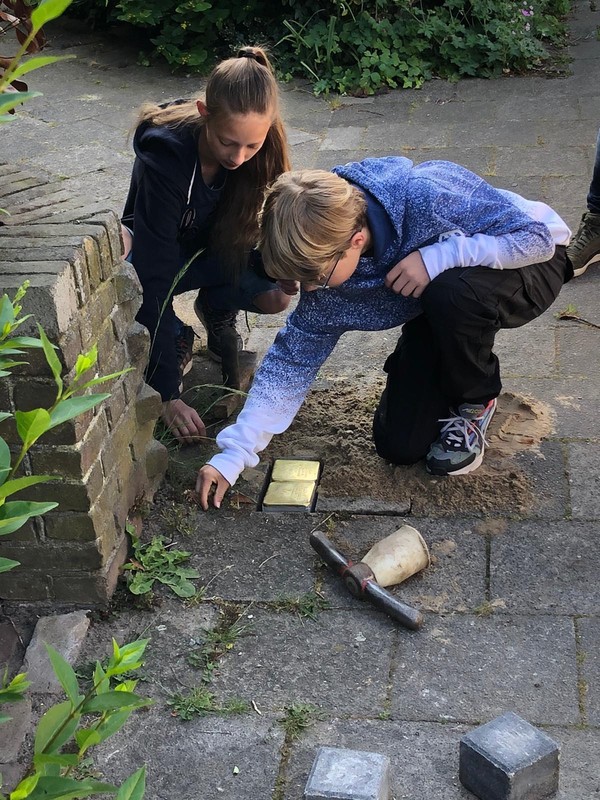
{"x":509,"y":759}
{"x":64,"y":632}
{"x":340,"y":774}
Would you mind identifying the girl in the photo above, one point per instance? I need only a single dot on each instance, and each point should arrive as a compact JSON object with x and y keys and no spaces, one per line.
{"x":190,"y":219}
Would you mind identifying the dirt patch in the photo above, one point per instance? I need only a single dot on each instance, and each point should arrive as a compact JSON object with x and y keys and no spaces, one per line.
{"x":334,"y":425}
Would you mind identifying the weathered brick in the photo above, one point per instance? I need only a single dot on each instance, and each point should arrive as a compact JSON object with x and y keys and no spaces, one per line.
{"x":138,"y":344}
{"x":72,"y":526}
{"x":94,"y":265}
{"x":29,"y":532}
{"x":70,"y":495}
{"x":51,"y":298}
{"x":156,"y":461}
{"x":112,"y":225}
{"x":148,"y":405}
{"x":11,"y":648}
{"x":127,"y":284}
{"x":30,"y":393}
{"x":95,"y":588}
{"x":79,"y":556}
{"x":115,"y":405}
{"x":121,"y":437}
{"x":25,"y":584}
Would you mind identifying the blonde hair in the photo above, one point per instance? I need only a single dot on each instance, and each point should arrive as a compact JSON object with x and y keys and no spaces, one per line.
{"x":242,"y":85}
{"x":307,"y":220}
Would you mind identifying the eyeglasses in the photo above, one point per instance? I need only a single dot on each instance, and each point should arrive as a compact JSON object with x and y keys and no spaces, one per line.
{"x":325,"y":284}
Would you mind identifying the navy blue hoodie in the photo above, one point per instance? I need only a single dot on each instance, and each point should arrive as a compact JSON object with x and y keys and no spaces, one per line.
{"x":155,"y":210}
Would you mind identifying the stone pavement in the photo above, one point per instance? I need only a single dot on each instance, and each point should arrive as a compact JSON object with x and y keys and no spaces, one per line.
{"x":512,"y":604}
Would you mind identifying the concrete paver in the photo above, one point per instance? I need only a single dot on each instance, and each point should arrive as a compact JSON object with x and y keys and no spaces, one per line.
{"x":511,"y":605}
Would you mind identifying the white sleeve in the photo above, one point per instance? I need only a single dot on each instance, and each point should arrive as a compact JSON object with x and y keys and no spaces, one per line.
{"x":279,"y":388}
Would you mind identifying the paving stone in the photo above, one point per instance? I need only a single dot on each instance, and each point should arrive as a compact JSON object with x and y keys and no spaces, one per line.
{"x":589,"y":644}
{"x":549,"y":567}
{"x":64,"y":632}
{"x":545,"y":467}
{"x":171,"y":628}
{"x":348,"y":775}
{"x":389,"y":136}
{"x":328,"y":662}
{"x":584,"y":480}
{"x":455,"y":581}
{"x":509,"y":759}
{"x":477,"y":667}
{"x":576,"y":344}
{"x":348,"y":138}
{"x":423,"y":756}
{"x":263,"y":556}
{"x":530,"y":350}
{"x":201,"y":759}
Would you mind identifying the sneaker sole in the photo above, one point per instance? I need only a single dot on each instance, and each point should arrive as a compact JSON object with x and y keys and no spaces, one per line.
{"x":475,"y":464}
{"x":581,"y":270}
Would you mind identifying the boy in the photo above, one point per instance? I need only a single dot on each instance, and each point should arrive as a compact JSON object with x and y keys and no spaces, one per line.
{"x":431,"y":247}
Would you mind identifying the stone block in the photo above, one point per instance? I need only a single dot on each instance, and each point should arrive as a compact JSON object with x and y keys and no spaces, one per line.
{"x":157,"y":461}
{"x":127,"y":284}
{"x":52,"y":557}
{"x":11,"y":650}
{"x":509,"y":759}
{"x":50,"y":298}
{"x":94,"y":588}
{"x":76,"y":527}
{"x":148,"y":405}
{"x":65,"y":633}
{"x":25,"y":584}
{"x":13,"y":732}
{"x":109,"y":221}
{"x":138,"y":343}
{"x":72,"y":461}
{"x":340,"y":774}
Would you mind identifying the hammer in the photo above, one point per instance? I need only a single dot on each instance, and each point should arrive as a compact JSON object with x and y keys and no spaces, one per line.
{"x":360,"y":580}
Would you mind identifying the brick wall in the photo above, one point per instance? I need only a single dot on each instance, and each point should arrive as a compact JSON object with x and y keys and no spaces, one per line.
{"x":82,"y":293}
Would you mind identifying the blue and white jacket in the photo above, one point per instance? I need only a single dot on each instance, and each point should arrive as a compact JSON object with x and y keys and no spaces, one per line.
{"x":452,"y":216}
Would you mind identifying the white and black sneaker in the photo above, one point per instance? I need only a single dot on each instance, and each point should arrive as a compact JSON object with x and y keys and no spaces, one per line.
{"x":460,"y":446}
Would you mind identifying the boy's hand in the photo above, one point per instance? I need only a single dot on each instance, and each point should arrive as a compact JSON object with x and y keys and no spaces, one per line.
{"x":209,"y":477}
{"x":409,"y":277}
{"x":183,"y":421}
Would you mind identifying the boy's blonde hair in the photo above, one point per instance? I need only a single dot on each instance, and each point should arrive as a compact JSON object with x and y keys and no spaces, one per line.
{"x":306,"y":223}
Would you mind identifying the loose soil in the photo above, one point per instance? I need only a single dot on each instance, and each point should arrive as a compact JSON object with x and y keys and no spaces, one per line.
{"x":334,"y":425}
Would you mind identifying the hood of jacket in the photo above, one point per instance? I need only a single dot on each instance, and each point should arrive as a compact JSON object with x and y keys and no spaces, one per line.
{"x":171,"y":152}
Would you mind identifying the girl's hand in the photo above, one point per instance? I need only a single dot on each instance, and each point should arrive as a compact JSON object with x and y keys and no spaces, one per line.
{"x":209,"y":477}
{"x":289,"y":287}
{"x":409,"y":276}
{"x":183,"y":421}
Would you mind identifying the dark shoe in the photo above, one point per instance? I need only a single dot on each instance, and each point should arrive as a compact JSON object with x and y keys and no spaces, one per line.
{"x":214,"y":322}
{"x":585,"y":245}
{"x":460,"y":446}
{"x":184,"y":342}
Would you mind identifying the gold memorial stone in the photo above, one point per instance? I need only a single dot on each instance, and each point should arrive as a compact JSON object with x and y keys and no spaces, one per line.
{"x":288,"y":469}
{"x":296,"y":494}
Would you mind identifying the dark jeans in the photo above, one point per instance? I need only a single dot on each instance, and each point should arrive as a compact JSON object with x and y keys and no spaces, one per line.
{"x":593,"y":198}
{"x":444,"y":357}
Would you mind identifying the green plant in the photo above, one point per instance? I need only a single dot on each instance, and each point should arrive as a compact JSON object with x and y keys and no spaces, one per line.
{"x":158,"y":561}
{"x":216,"y":643}
{"x":68,"y":730}
{"x":307,"y":605}
{"x":31,"y":425}
{"x":28,"y":23}
{"x":297,"y":718}
{"x":200,"y":702}
{"x":179,"y":518}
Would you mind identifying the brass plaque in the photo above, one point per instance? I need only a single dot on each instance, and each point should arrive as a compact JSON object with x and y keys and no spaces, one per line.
{"x":286,"y":494}
{"x":285,"y":469}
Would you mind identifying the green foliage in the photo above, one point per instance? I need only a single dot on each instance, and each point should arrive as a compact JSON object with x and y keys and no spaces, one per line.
{"x":216,"y":643}
{"x":308,"y":605}
{"x":297,"y":718}
{"x":12,"y":90}
{"x":199,"y":702}
{"x":357,"y":46}
{"x":158,"y":561}
{"x":70,"y":402}
{"x":69,"y":729}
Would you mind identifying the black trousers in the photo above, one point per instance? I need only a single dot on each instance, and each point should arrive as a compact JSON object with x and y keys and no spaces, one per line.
{"x":445,"y":357}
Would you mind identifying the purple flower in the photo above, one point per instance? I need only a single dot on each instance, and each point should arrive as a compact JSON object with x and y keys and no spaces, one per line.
{"x":526,"y":13}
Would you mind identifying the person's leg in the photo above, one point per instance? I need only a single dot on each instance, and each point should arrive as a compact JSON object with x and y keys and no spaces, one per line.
{"x":465,"y":309}
{"x":219,"y":300}
{"x":406,"y":418}
{"x":584,"y":248}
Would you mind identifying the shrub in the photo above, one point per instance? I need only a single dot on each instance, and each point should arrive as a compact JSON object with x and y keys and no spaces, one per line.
{"x":356,"y":46}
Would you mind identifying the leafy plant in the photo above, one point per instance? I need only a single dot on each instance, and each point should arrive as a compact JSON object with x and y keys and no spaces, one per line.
{"x":216,"y":643}
{"x":69,"y":729}
{"x":31,"y":425}
{"x":308,"y":605}
{"x":200,"y":702}
{"x":297,"y":718}
{"x":27,"y":22}
{"x":158,"y":561}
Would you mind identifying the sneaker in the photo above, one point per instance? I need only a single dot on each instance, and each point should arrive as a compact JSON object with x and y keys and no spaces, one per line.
{"x":460,"y":446}
{"x":184,"y":342}
{"x":214,"y":322}
{"x":585,"y":245}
